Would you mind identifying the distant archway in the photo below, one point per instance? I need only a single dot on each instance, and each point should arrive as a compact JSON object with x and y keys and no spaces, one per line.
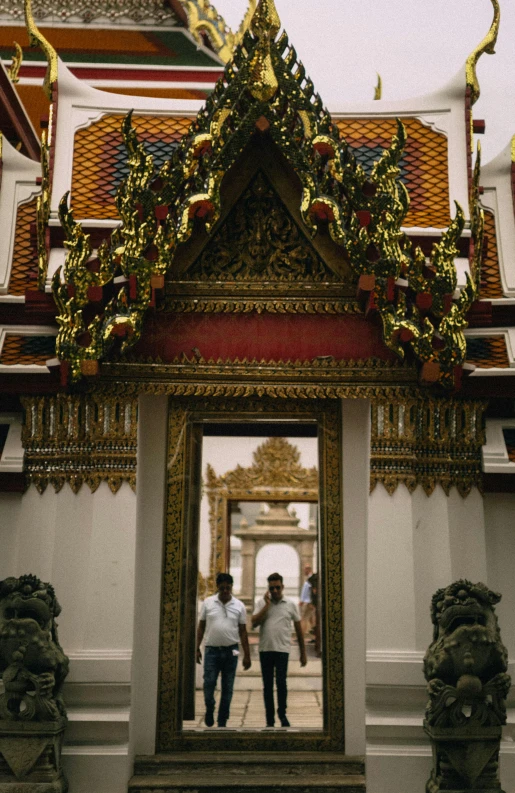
{"x":278,"y":557}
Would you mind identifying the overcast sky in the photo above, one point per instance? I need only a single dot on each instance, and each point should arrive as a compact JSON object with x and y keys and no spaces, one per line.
{"x":417,"y":46}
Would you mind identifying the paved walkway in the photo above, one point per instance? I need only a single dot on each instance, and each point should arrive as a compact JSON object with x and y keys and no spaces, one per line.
{"x":248,"y":711}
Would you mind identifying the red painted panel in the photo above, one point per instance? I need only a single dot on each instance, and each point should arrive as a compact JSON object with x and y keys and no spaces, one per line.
{"x":269,"y":337}
{"x":131,"y":75}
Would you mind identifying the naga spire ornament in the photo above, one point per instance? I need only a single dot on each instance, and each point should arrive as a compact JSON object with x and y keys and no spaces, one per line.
{"x":37,"y":39}
{"x":486,"y":45}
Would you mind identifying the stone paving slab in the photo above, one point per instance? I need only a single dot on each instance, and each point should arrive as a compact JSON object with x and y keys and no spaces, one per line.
{"x":248,"y":711}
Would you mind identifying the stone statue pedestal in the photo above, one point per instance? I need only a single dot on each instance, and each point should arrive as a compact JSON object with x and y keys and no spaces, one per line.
{"x":30,"y":757}
{"x":464,"y":759}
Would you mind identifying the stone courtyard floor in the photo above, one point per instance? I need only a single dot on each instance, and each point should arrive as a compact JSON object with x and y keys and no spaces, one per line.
{"x":248,"y":712}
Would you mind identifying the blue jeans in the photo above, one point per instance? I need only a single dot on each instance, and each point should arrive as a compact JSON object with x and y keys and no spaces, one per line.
{"x":219,"y":660}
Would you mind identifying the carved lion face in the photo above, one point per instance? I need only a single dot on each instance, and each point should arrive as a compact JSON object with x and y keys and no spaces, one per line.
{"x":466,"y":634}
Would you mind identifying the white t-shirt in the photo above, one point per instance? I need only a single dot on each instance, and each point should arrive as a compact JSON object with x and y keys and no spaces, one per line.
{"x":222,"y":621}
{"x":275,"y":630}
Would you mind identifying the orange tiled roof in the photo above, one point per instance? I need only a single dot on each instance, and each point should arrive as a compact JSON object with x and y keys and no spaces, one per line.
{"x":487,"y":352}
{"x":491,"y":285}
{"x":27,"y":349}
{"x":24,"y":263}
{"x":100,"y":159}
{"x":423,"y":164}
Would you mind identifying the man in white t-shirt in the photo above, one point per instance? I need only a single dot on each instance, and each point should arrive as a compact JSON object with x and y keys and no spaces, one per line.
{"x":274,"y":614}
{"x":223,"y":624}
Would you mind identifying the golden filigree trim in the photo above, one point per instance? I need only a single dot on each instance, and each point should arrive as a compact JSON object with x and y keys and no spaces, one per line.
{"x":275,"y":306}
{"x":417,"y":441}
{"x":86,"y":439}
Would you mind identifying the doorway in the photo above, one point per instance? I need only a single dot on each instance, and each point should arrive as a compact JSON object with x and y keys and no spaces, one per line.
{"x":243,"y":509}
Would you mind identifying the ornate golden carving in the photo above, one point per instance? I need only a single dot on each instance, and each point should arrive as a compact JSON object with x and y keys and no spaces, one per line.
{"x":259,"y":241}
{"x":364,"y":215}
{"x":280,"y":305}
{"x":426,"y":441}
{"x":184,"y":414}
{"x":203,"y":19}
{"x":37,"y":39}
{"x":275,"y":475}
{"x":477,"y":227}
{"x":43,"y":206}
{"x":486,"y":45}
{"x":322,"y":377}
{"x":145,"y":11}
{"x":80,"y":439}
{"x":14,"y":69}
{"x":265,"y":24}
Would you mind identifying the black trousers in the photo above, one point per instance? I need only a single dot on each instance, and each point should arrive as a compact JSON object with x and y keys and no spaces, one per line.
{"x":274,"y":662}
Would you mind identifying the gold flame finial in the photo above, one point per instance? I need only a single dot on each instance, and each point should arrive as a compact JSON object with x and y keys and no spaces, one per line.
{"x":378,"y":90}
{"x":265,"y":20}
{"x":265,"y":25}
{"x":487,"y":45}
{"x":37,"y":39}
{"x":14,"y":69}
{"x":513,"y":149}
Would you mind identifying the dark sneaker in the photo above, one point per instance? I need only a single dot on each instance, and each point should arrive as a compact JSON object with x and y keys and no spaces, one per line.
{"x":285,"y":722}
{"x":209,"y":719}
{"x":222,"y":723}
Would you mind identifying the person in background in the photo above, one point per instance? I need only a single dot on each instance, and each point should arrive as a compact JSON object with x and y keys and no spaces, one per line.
{"x":223,"y":625}
{"x":307,"y":608}
{"x":274,"y":614}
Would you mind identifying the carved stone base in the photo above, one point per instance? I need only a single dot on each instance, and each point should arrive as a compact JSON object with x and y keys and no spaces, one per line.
{"x":464,"y":761}
{"x":30,"y":757}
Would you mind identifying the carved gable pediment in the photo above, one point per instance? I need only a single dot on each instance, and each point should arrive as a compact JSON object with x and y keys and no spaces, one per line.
{"x":260,"y":241}
{"x":260,"y":255}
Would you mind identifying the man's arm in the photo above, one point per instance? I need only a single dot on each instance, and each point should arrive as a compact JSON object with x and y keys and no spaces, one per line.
{"x":244,"y":639}
{"x":200,"y":635}
{"x":300,"y":639}
{"x":259,"y":616}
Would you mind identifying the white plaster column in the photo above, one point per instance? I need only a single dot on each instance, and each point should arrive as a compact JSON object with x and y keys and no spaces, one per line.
{"x":390,"y":573}
{"x":150,"y":513}
{"x":248,"y":571}
{"x":355,"y":486}
{"x":500,"y":552}
{"x":432,"y":566}
{"x":467,"y":533}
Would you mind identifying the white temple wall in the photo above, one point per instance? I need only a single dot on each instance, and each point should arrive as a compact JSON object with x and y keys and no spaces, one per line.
{"x":499,"y":518}
{"x":417,"y":544}
{"x":84,"y":545}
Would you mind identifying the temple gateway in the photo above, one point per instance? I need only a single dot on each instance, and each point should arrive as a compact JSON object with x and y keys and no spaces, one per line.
{"x":244,"y":333}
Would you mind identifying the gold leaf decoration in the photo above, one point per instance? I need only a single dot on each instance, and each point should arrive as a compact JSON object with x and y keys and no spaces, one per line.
{"x":486,"y":45}
{"x":14,"y":69}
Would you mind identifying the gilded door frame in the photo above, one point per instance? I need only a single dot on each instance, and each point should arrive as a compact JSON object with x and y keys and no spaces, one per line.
{"x":185,"y":417}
